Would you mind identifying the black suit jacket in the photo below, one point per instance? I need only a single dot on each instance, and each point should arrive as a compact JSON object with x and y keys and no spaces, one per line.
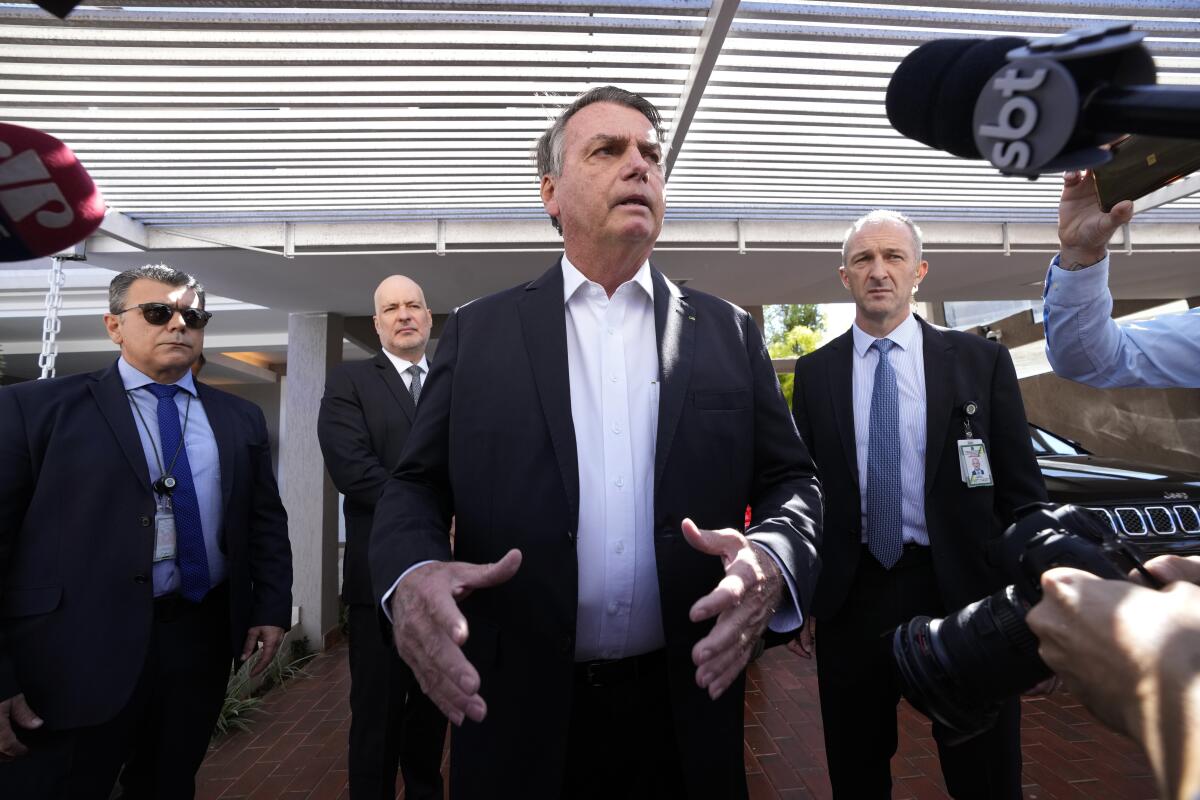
{"x":365,"y":418}
{"x":495,"y":444}
{"x":77,"y":540}
{"x":959,"y":367}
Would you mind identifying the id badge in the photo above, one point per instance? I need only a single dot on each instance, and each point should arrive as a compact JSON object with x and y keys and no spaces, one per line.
{"x":164,"y":535}
{"x":973,"y":463}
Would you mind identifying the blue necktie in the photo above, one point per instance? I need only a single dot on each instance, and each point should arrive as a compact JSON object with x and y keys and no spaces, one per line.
{"x":885,"y":531}
{"x":189,"y":536}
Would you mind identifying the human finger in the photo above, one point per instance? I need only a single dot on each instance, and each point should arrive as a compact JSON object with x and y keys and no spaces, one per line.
{"x":14,"y":711}
{"x":271,"y":637}
{"x":468,"y":577}
{"x":724,"y":542}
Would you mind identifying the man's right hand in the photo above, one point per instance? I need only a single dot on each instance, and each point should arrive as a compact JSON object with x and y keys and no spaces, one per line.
{"x":1170,"y":568}
{"x":1083,"y":229}
{"x":804,"y":644}
{"x":430,"y":630}
{"x":15,"y":713}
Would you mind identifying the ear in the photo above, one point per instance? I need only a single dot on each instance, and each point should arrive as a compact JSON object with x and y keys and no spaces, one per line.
{"x":922,"y":268}
{"x":842,"y":275}
{"x":112,"y":326}
{"x":549,"y":201}
{"x":375,"y":321}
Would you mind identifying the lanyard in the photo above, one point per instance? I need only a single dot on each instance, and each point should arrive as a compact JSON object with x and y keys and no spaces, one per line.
{"x":166,"y":481}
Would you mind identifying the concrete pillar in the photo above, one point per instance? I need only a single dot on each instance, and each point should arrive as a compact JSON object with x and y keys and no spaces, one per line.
{"x":756,"y":313}
{"x":314,"y":347}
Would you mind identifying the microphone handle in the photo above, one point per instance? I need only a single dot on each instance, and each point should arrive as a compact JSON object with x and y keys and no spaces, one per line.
{"x":1171,"y":111}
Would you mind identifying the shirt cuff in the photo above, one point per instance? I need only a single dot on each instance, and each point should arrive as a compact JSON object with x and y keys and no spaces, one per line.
{"x":1065,"y":287}
{"x":789,"y":617}
{"x":387,"y":610}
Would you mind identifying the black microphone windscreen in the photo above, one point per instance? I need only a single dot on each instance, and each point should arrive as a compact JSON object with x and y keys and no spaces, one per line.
{"x":931,"y":96}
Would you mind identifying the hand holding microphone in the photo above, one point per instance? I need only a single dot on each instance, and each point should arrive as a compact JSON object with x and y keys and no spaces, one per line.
{"x":1035,"y":107}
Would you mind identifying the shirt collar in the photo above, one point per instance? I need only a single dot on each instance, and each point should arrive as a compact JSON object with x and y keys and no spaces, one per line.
{"x":903,"y":335}
{"x":134,"y":378}
{"x":401,"y":365}
{"x":573,"y":279}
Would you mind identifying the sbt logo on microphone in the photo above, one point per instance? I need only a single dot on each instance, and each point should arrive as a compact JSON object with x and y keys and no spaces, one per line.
{"x":1025,"y":115}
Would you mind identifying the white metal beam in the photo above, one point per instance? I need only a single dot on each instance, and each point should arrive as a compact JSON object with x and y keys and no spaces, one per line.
{"x":708,"y":49}
{"x":124,"y":229}
{"x":1180,"y":188}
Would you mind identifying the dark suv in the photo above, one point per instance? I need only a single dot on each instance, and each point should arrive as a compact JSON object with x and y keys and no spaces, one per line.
{"x":1156,"y":507}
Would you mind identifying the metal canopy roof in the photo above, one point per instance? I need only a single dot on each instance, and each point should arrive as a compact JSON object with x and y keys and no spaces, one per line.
{"x":226,"y":113}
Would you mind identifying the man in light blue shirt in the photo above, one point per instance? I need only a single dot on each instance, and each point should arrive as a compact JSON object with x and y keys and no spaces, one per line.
{"x":1083,"y":342}
{"x":143,"y":547}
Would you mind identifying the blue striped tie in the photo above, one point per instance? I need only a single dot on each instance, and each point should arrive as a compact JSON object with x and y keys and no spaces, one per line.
{"x":189,"y":536}
{"x":885,"y":530}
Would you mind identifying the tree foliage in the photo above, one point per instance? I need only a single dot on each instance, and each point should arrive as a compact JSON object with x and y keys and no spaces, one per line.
{"x":792,"y":331}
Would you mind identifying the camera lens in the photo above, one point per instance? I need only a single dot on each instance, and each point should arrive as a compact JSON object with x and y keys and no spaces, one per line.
{"x":957,"y":670}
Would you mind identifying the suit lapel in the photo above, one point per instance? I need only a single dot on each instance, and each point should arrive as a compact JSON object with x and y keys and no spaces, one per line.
{"x":221,"y":422}
{"x":544,"y":328}
{"x":109,"y":393}
{"x":939,"y":395}
{"x":675,"y":331}
{"x":395,"y":384}
{"x":841,"y":390}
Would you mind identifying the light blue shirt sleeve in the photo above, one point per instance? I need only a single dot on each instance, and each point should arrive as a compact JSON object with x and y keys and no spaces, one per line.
{"x":1085,"y":344}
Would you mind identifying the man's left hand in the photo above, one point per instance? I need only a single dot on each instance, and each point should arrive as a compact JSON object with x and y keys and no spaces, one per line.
{"x":270,"y":636}
{"x":743,"y":603}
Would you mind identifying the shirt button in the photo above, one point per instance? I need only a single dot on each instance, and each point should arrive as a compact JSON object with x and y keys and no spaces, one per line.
{"x":619,"y":547}
{"x":616,"y":429}
{"x":613,"y":379}
{"x":611,"y":331}
{"x":619,"y":482}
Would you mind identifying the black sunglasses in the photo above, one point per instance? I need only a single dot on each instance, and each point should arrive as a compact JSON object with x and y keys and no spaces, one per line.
{"x":161,"y":313}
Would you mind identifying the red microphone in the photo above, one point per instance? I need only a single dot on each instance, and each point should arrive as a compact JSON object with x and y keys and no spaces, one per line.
{"x":48,"y":202}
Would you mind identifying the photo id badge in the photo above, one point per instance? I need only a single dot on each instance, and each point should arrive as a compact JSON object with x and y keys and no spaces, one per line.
{"x":973,"y":463}
{"x":164,"y":535}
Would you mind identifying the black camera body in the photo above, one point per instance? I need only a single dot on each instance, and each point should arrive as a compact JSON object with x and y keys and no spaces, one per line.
{"x":957,"y":670}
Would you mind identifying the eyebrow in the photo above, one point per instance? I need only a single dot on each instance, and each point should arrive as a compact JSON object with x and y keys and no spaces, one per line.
{"x":644,"y":145}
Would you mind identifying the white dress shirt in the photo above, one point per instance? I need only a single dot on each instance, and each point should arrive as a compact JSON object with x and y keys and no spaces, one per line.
{"x":612,"y":361}
{"x":402,"y":367}
{"x":908,"y":361}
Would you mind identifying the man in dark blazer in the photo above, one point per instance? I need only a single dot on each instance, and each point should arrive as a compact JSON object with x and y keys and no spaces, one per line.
{"x":576,"y":426}
{"x":365,"y":418}
{"x":130,"y":577}
{"x":907,"y":527}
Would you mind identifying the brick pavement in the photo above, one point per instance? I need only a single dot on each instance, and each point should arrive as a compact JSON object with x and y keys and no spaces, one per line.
{"x":296,"y":748}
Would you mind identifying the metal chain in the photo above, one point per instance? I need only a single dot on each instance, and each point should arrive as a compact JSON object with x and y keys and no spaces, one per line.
{"x":51,"y":325}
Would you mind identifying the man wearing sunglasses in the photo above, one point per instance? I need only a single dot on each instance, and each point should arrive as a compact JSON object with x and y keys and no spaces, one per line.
{"x":143,"y":548}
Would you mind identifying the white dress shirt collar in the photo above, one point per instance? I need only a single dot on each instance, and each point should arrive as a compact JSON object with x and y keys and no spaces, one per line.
{"x":402,"y":366}
{"x":903,"y":335}
{"x":573,"y":279}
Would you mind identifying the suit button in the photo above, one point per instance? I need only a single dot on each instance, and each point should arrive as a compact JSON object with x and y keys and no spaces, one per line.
{"x":144,"y":520}
{"x":139,"y":578}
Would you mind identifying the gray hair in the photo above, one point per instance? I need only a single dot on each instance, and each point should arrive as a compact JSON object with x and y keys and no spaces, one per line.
{"x":118,"y":289}
{"x":881,"y":215}
{"x":550,"y":150}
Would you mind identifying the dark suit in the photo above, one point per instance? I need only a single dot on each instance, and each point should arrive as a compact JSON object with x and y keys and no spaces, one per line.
{"x":79,"y":620}
{"x":495,"y":445}
{"x":857,"y":600}
{"x":365,"y":418}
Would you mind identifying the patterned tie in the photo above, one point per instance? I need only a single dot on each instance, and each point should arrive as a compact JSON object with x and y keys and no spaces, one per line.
{"x":189,"y":536}
{"x":414,"y":388}
{"x":885,"y":531}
